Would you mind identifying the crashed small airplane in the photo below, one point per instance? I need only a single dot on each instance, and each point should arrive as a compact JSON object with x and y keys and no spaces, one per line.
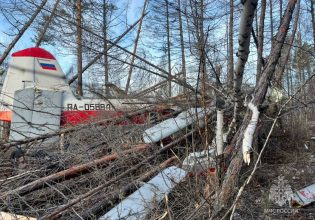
{"x":37,"y":99}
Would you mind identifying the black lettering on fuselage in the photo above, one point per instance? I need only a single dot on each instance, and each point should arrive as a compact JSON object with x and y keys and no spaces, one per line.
{"x":75,"y":107}
{"x":89,"y":107}
{"x":69,"y":107}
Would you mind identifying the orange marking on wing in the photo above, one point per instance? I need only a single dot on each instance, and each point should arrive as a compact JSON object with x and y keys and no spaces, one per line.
{"x":5,"y":115}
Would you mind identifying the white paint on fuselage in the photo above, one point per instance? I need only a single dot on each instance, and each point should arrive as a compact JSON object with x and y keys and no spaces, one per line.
{"x":26,"y":72}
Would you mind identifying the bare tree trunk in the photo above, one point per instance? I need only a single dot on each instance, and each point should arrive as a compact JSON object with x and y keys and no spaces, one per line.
{"x":231,"y":52}
{"x":42,"y":34}
{"x":271,"y":21}
{"x":261,"y":39}
{"x":79,"y":46}
{"x":280,"y":5}
{"x":229,"y":183}
{"x":282,"y":64}
{"x":168,"y":50}
{"x":288,"y":81}
{"x":21,"y":32}
{"x":202,"y":51}
{"x":106,"y":72}
{"x":112,"y":44}
{"x":246,"y":25}
{"x":182,"y":45}
{"x":197,"y":8}
{"x":135,"y":47}
{"x":313,"y":21}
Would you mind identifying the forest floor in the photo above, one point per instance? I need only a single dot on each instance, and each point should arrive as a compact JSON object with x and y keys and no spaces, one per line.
{"x":287,"y":162}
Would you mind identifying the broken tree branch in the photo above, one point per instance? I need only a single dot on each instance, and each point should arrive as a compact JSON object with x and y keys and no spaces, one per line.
{"x":135,"y":48}
{"x":114,"y":196}
{"x":74,"y":171}
{"x":43,"y":32}
{"x":55,"y":213}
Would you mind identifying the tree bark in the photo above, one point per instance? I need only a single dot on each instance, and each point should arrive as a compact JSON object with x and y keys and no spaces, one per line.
{"x":313,"y":21}
{"x":246,"y":25}
{"x":105,"y":46}
{"x":280,"y":5}
{"x":21,"y":32}
{"x":182,"y":45}
{"x":79,"y":46}
{"x":261,"y":39}
{"x":282,"y":64}
{"x":229,"y":183}
{"x":135,"y":47}
{"x":197,"y":9}
{"x":231,"y":52}
{"x":168,"y":49}
{"x":271,"y":21}
{"x":43,"y":32}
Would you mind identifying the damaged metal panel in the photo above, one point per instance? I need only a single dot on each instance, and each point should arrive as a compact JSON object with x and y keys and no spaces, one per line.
{"x":22,"y":114}
{"x":303,"y":196}
{"x":141,"y":202}
{"x":35,"y":112}
{"x":170,"y":126}
{"x":200,"y":161}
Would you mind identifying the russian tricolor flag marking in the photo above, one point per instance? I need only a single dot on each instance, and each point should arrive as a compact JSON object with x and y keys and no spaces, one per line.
{"x":47,"y":66}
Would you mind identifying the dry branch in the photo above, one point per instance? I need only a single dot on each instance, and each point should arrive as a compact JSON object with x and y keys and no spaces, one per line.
{"x":74,"y":170}
{"x":135,"y":47}
{"x":21,"y":32}
{"x":108,"y":48}
{"x":59,"y":210}
{"x":114,"y":196}
{"x":43,"y":32}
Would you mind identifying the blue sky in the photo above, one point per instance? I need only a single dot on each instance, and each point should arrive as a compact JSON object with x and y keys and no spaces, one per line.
{"x":25,"y":41}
